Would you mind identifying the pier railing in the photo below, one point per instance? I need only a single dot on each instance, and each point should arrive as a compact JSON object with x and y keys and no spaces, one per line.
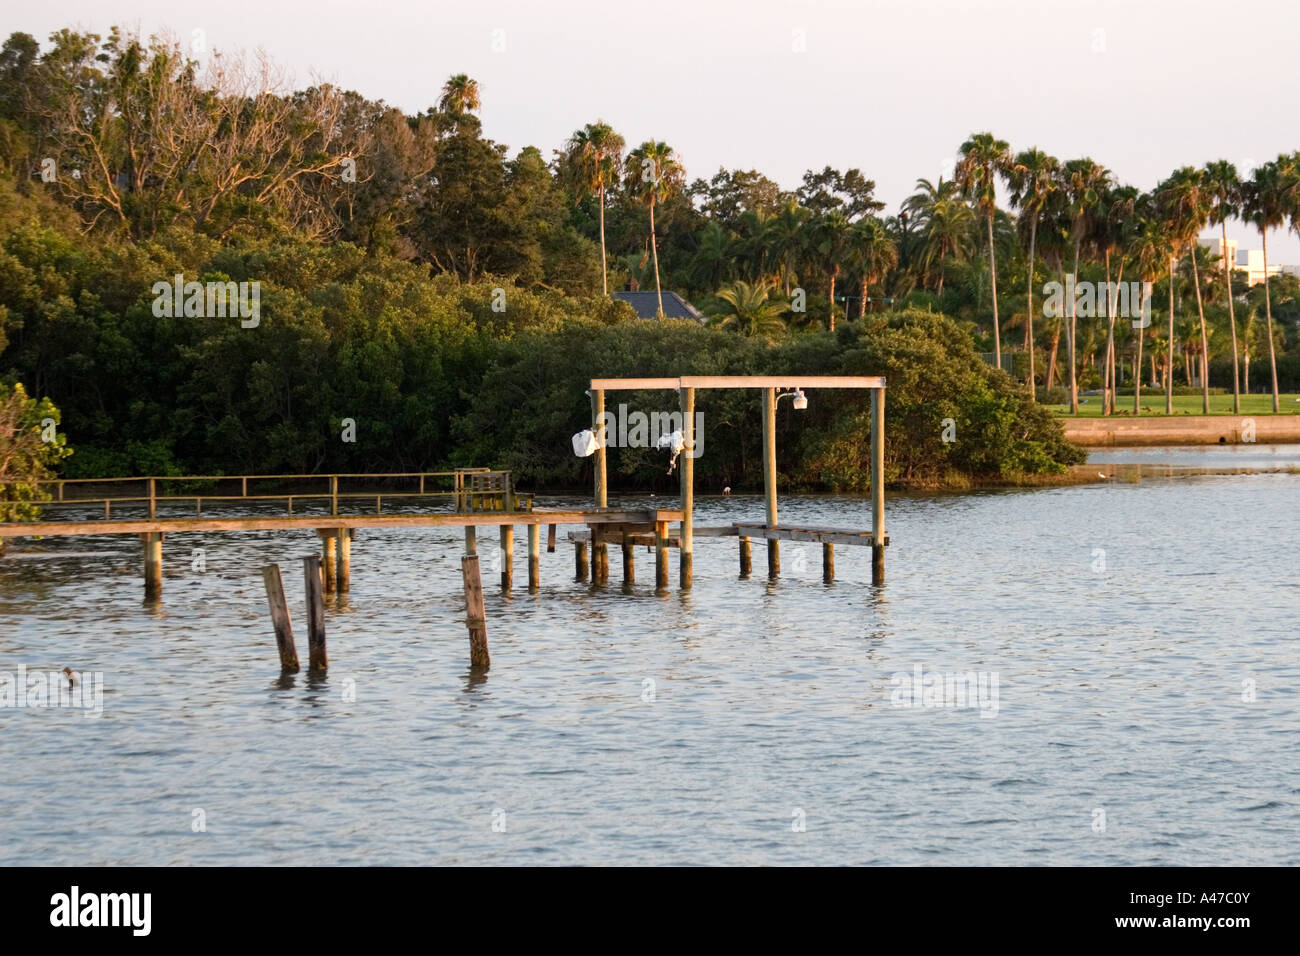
{"x":467,"y":490}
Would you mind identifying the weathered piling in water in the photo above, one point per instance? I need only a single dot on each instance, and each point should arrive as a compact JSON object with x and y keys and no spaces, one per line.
{"x":629,"y":560}
{"x":746,"y":557}
{"x":828,"y":562}
{"x":280,"y":619}
{"x":345,"y":560}
{"x":877,"y":486}
{"x":317,"y":659}
{"x":329,"y":558}
{"x":661,"y":555}
{"x":471,"y":539}
{"x":475,"y":615}
{"x":686,"y":468}
{"x":550,"y":539}
{"x":152,"y":565}
{"x":769,"y":479}
{"x":580,"y":571}
{"x":507,"y":556}
{"x":599,"y":552}
{"x":534,"y":557}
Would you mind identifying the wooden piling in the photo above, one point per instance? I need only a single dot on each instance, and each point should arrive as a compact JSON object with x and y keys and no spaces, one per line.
{"x":828,"y":562}
{"x":317,"y":659}
{"x":345,"y":560}
{"x":769,"y":478}
{"x":877,"y":486}
{"x":471,"y":539}
{"x":661,"y":555}
{"x":329,"y":559}
{"x":280,"y":619}
{"x":550,"y":539}
{"x":686,"y":468}
{"x":629,"y":560}
{"x":599,"y":552}
{"x":152,"y":565}
{"x":580,"y":572}
{"x":475,"y":615}
{"x":746,"y":561}
{"x":507,"y":556}
{"x":534,"y":557}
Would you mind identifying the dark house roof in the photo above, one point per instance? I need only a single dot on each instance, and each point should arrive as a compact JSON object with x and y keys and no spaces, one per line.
{"x":646,"y":305}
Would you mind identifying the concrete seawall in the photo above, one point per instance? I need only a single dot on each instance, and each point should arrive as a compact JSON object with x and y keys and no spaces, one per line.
{"x":1182,"y":430}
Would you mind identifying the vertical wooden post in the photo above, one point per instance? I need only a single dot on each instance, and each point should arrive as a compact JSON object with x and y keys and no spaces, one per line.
{"x":507,"y":556}
{"x":280,"y":619}
{"x":686,"y":468}
{"x":550,"y":539}
{"x":152,"y":565}
{"x":329,"y":559}
{"x":334,"y":494}
{"x":534,"y":557}
{"x":345,"y":559}
{"x":629,"y":560}
{"x":599,"y":554}
{"x":828,"y":562}
{"x":316,"y":656}
{"x":746,"y":561}
{"x":769,"y":479}
{"x":471,"y":539}
{"x":475,"y":615}
{"x":661,"y":555}
{"x":877,"y":486}
{"x":580,"y":572}
{"x":153,"y":498}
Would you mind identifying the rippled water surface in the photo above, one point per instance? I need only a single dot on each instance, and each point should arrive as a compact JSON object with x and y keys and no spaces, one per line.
{"x":1128,"y":624}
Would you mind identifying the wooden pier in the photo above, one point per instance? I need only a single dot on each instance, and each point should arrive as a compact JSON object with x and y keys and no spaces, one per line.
{"x":337,"y":506}
{"x":479,"y":498}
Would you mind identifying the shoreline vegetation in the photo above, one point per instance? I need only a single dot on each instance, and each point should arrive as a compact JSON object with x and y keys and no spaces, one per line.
{"x":399,"y":292}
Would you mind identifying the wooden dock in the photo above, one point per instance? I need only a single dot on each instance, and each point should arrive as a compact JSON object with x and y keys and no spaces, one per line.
{"x":479,"y":498}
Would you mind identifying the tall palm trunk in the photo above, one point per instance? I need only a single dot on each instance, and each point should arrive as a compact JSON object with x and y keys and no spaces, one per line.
{"x":1232,"y":323}
{"x":1205,"y":345}
{"x":654,"y":248}
{"x":862,"y":307}
{"x":1169,"y":360}
{"x":834,"y":272}
{"x":1029,"y":313}
{"x":1070,"y":334}
{"x":1268,"y":314}
{"x":1108,"y":379}
{"x":604,"y":268}
{"x":993,"y":279}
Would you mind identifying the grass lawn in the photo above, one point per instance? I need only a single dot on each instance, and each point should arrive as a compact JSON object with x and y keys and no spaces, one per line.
{"x":1153,"y":403}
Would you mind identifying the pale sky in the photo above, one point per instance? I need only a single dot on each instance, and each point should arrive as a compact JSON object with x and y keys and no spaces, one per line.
{"x":1142,"y":86}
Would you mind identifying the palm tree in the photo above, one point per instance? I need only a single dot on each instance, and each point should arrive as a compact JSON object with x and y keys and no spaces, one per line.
{"x":595,"y":154}
{"x":1032,"y":179}
{"x":787,"y":236}
{"x":984,"y":158}
{"x":831,"y":233}
{"x":944,"y":223}
{"x":1114,"y":229}
{"x":1083,"y":182}
{"x":749,"y":310}
{"x":1224,"y":188}
{"x":1264,"y":207}
{"x":652,"y":174}
{"x":1149,"y":250}
{"x":872,"y":254}
{"x":459,"y":95}
{"x":1187,"y":208}
{"x":713,"y":262}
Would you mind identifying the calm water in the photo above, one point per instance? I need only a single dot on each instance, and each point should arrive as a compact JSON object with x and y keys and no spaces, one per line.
{"x":1120,"y":689}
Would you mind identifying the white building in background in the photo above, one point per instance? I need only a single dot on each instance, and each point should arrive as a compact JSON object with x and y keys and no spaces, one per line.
{"x":1249,"y":261}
